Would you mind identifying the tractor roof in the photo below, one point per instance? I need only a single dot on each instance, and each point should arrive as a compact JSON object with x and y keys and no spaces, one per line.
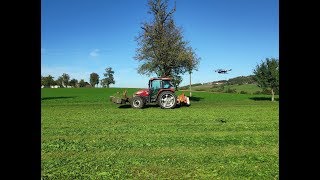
{"x":160,"y":78}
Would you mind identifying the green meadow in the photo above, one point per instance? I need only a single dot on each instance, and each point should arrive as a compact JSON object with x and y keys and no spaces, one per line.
{"x":220,"y":136}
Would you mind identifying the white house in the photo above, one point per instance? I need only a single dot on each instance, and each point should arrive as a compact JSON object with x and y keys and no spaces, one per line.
{"x":55,"y":86}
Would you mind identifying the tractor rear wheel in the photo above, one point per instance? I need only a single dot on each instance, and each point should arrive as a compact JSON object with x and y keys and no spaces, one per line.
{"x":167,"y":100}
{"x":137,"y":102}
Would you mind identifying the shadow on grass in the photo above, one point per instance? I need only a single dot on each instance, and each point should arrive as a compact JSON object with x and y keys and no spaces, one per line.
{"x":59,"y":97}
{"x":193,"y":98}
{"x":263,"y":98}
{"x":125,"y":106}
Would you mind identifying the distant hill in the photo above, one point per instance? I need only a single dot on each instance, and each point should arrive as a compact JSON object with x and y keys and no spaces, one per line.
{"x":240,"y":84}
{"x":242,"y":80}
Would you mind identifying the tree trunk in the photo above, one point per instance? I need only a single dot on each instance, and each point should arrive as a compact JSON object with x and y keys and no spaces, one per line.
{"x":107,"y":85}
{"x":272,"y":92}
{"x":190,"y":86}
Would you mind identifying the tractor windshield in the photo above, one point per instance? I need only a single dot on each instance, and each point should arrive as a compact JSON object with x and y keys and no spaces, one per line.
{"x":155,"y":84}
{"x":167,"y":84}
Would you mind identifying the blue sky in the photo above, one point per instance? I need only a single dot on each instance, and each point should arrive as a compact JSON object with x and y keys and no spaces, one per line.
{"x":79,"y":37}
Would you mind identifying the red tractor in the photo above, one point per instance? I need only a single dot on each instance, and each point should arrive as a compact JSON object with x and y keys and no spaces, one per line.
{"x":160,"y":91}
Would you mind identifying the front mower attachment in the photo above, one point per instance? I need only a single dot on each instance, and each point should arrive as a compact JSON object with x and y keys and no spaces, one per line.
{"x":183,"y":100}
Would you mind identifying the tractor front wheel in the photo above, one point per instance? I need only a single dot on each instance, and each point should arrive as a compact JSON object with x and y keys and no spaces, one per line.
{"x":167,"y":100}
{"x":137,"y":102}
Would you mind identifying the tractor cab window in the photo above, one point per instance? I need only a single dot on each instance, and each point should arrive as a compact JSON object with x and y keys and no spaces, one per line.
{"x":155,"y":84}
{"x":167,"y":84}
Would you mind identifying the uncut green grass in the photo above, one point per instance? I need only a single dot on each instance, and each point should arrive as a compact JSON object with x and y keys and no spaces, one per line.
{"x":220,"y":136}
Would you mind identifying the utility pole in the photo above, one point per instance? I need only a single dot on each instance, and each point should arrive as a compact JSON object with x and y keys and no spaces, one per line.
{"x":190,"y":85}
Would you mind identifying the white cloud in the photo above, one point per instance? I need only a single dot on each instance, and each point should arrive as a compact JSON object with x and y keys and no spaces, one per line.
{"x":95,"y":53}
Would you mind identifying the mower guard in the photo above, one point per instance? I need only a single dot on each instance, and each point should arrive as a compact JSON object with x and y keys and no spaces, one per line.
{"x":120,"y":99}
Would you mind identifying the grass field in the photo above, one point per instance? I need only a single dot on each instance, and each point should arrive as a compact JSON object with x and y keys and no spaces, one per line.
{"x":220,"y":136}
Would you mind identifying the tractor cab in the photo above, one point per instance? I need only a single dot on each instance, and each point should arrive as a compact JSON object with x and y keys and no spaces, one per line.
{"x":157,"y":85}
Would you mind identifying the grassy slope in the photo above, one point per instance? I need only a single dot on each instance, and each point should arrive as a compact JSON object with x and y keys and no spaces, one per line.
{"x":219,"y":136}
{"x":249,"y":88}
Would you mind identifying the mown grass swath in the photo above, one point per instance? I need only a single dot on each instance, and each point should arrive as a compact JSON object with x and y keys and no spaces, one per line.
{"x":220,"y":136}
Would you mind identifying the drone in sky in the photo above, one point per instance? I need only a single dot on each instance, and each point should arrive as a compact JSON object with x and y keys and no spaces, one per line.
{"x":222,"y":71}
